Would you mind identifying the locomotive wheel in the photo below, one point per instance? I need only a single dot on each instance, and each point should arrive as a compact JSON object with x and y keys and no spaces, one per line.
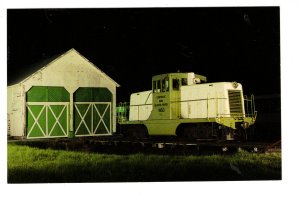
{"x":240,"y":135}
{"x":226,"y":134}
{"x":197,"y":131}
{"x":135,"y":131}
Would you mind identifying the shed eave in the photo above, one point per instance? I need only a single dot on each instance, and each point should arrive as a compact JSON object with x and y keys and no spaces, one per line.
{"x":62,"y":55}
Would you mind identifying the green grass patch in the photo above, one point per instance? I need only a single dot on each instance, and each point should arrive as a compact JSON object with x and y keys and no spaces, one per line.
{"x":33,"y":165}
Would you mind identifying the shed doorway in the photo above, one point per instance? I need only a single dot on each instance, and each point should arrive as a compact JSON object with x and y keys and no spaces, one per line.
{"x":47,"y":112}
{"x":92,"y":111}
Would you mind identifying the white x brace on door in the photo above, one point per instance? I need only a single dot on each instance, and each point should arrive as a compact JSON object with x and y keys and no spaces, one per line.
{"x":47,"y":119}
{"x":92,"y":118}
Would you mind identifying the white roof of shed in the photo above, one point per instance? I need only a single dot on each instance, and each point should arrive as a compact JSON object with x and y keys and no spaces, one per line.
{"x":51,"y":60}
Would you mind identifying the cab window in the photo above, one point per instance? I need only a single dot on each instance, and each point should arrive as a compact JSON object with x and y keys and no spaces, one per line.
{"x":184,"y":81}
{"x":154,"y":86}
{"x":158,"y":86}
{"x":165,"y":85}
{"x":175,"y":84}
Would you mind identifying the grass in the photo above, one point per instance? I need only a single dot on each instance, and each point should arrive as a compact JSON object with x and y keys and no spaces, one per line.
{"x":33,"y":165}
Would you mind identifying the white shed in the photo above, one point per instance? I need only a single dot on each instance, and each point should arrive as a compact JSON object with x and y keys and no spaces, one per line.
{"x":67,"y":97}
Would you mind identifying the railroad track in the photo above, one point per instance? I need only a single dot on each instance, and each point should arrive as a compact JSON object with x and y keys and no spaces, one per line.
{"x":120,"y":145}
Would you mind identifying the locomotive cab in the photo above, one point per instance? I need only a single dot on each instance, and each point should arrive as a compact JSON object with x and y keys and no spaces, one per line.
{"x":166,"y":96}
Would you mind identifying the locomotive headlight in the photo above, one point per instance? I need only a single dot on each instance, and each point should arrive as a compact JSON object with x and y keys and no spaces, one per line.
{"x":235,"y":84}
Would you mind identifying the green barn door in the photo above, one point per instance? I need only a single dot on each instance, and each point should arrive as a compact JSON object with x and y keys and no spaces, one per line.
{"x":47,"y":112}
{"x":92,"y":111}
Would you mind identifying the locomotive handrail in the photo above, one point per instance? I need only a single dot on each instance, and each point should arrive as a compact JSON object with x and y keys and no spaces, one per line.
{"x":122,"y":115}
{"x":249,"y":108}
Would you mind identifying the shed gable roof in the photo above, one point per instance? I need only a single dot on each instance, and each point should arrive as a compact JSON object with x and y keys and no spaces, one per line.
{"x":45,"y":63}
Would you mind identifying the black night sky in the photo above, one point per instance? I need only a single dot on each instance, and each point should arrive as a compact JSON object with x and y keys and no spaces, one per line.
{"x":131,"y":44}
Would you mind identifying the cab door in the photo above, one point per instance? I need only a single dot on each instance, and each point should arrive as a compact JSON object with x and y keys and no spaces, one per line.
{"x":175,"y":97}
